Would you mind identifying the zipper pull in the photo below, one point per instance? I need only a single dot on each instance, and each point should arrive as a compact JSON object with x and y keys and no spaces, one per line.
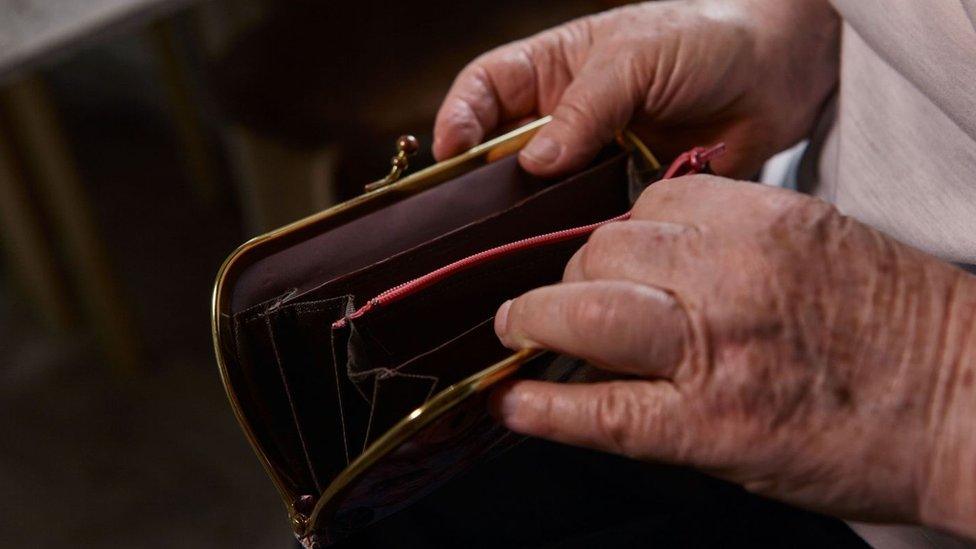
{"x":694,"y":161}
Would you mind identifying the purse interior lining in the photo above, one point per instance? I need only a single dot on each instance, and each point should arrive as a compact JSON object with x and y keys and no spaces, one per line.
{"x":372,"y":237}
{"x":321,"y":408}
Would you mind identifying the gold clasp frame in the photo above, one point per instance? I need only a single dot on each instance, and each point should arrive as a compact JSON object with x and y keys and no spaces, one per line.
{"x":407,"y":146}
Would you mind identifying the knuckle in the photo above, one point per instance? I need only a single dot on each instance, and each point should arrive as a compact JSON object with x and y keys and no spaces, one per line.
{"x":659,"y":194}
{"x":811,"y":216}
{"x":544,"y":419}
{"x":474,"y":77}
{"x":806,"y":208}
{"x":617,"y":417}
{"x":669,"y":193}
{"x":578,"y":114}
{"x":599,"y":246}
{"x":566,"y":40}
{"x":635,"y":71}
{"x":479,"y":77}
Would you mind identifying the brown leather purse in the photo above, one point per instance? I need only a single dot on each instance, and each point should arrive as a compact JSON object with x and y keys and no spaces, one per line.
{"x":356,"y":345}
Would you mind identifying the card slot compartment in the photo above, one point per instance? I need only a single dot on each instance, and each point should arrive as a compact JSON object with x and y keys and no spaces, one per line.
{"x":312,"y":384}
{"x":264,"y":402}
{"x":291,"y":404}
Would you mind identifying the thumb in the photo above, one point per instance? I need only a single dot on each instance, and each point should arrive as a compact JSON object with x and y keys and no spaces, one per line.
{"x":598,"y":103}
{"x":638,"y":419}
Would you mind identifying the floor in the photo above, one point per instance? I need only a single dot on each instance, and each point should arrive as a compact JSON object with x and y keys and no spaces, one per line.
{"x":93,"y":461}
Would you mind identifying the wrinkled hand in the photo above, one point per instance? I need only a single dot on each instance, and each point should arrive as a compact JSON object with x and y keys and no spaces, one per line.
{"x":769,"y":340}
{"x":751,"y":73}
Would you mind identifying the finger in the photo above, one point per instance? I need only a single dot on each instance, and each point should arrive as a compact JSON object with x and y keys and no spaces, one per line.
{"x":573,"y":272}
{"x":707,"y":200}
{"x":599,"y":102}
{"x":495,"y":88}
{"x":639,"y":419}
{"x":625,"y":327}
{"x":649,"y":252}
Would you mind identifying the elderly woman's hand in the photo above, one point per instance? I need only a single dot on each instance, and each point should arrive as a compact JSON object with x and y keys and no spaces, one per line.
{"x":770,"y":340}
{"x":751,"y":73}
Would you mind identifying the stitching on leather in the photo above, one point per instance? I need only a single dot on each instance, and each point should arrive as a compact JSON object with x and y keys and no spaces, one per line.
{"x":372,"y":410}
{"x":376,"y":388}
{"x":342,"y":414}
{"x":335,"y":305}
{"x":441,"y":346}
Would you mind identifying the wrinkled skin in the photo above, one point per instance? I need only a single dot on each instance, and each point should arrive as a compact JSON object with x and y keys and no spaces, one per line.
{"x":680,"y":74}
{"x":762,"y":336}
{"x":777,"y":344}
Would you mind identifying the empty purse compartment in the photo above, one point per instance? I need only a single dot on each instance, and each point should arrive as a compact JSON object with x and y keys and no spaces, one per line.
{"x":396,"y":392}
{"x":264,"y":400}
{"x":385,"y":232}
{"x":321,"y":400}
{"x":593,"y":195}
{"x":393,"y":335}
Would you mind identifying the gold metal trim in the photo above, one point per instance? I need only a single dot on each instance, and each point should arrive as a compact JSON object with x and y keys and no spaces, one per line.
{"x":220,"y":301}
{"x":380,"y":196}
{"x":407,"y":146}
{"x":417,"y":420}
{"x":628,"y":137}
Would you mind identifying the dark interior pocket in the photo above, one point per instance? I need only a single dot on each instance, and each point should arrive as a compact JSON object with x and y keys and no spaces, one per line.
{"x":394,"y":333}
{"x":321,"y":399}
{"x":593,"y":195}
{"x":397,"y":392}
{"x":308,"y":415}
{"x":265,"y":401}
{"x":382,"y":233}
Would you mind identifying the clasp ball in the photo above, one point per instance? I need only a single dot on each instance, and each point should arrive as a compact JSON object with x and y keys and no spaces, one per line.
{"x":408,"y":144}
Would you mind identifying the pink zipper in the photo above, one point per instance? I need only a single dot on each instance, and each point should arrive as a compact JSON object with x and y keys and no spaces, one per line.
{"x":693,"y":161}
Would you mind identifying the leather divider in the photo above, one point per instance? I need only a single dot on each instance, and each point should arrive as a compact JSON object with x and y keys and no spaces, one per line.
{"x":264,"y":400}
{"x":398,"y":391}
{"x":440,"y":333}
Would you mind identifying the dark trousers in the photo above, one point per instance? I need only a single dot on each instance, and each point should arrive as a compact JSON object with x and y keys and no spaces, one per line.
{"x":542,"y":494}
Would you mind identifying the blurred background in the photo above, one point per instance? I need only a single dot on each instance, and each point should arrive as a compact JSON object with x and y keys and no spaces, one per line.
{"x":140,"y":142}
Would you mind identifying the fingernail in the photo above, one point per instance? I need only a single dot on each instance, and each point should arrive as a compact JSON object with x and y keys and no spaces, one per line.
{"x":501,"y":319}
{"x":509,"y":403}
{"x":542,"y":150}
{"x":503,"y":403}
